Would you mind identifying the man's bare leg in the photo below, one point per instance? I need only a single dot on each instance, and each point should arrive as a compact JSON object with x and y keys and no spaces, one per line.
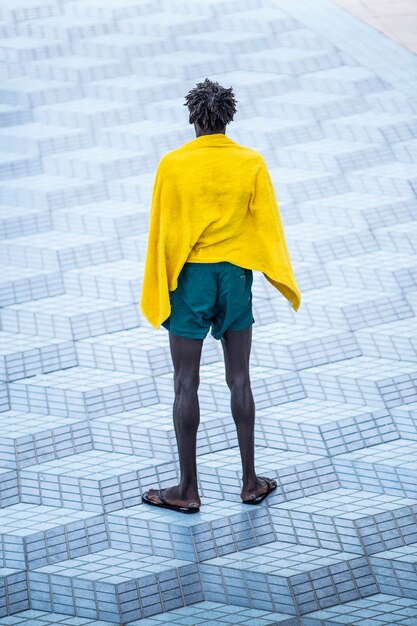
{"x":186,"y":356}
{"x":236,"y":347}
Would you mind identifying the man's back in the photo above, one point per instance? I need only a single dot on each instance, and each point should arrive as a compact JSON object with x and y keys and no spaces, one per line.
{"x":213,"y":180}
{"x":213,"y":200}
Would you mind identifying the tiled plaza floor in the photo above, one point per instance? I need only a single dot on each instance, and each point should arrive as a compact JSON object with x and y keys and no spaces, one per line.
{"x":91,"y":96}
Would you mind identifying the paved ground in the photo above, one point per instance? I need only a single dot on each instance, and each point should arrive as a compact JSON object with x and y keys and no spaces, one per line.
{"x":91,"y":97}
{"x":395,"y":18}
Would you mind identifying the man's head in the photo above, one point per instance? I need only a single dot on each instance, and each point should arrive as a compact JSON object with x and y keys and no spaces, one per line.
{"x":211,"y":107}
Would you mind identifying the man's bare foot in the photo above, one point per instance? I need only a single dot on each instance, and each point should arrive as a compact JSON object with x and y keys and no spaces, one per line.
{"x":172,"y":496}
{"x":258,"y":488}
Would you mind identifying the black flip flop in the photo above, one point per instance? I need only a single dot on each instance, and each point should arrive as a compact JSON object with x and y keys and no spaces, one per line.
{"x":165,"y":505}
{"x":262,"y":497}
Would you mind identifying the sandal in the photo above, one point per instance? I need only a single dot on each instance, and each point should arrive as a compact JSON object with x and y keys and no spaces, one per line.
{"x":165,"y":505}
{"x":258,"y":499}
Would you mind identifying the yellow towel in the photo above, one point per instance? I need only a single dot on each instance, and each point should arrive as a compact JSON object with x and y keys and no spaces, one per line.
{"x":212,"y":200}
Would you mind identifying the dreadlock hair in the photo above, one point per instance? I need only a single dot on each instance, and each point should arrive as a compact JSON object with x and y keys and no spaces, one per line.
{"x":211,"y":105}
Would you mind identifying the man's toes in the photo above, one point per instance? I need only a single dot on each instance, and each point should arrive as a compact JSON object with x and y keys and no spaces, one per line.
{"x":152,"y":495}
{"x":269,"y":482}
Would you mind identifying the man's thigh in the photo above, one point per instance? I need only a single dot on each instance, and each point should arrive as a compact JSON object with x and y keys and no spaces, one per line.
{"x":193,"y":302}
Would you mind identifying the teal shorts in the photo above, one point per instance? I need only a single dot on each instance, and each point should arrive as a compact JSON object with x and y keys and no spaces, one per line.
{"x":217,"y":295}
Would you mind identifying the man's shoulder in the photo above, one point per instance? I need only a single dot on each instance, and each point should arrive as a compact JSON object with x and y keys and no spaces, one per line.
{"x":239,"y":151}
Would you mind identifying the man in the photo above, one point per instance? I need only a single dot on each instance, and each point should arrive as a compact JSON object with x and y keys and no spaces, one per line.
{"x":214,"y":218}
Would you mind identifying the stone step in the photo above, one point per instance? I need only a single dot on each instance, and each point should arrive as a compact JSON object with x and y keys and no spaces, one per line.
{"x":13,"y":165}
{"x":10,"y":115}
{"x":270,"y":386}
{"x":83,"y":392}
{"x":286,"y":577}
{"x":393,"y":272}
{"x":67,"y":316}
{"x":396,"y":340}
{"x":124,"y":90}
{"x":35,"y":535}
{"x":23,"y":355}
{"x":43,"y":139}
{"x":378,"y":610}
{"x":388,"y":468}
{"x":365,"y":210}
{"x":293,"y":61}
{"x":142,"y":137}
{"x":23,"y":284}
{"x":94,"y":164}
{"x":346,"y":79}
{"x":285,"y":131}
{"x":50,"y":192}
{"x":334,"y":306}
{"x":395,"y":571}
{"x":404,"y":151}
{"x":58,"y":249}
{"x":204,"y":612}
{"x":70,"y":28}
{"x":24,"y":50}
{"x":304,"y":426}
{"x":299,"y":346}
{"x":93,"y":480}
{"x":363,"y":380}
{"x":350,"y":520}
{"x":20,"y":11}
{"x":372,"y":126}
{"x":324,"y":427}
{"x":109,"y":219}
{"x":19,"y":221}
{"x":392,"y":100}
{"x":115,"y":585}
{"x":318,"y":105}
{"x":302,"y":37}
{"x":166,"y":23}
{"x":149,"y":431}
{"x":13,"y":591}
{"x":9,"y":486}
{"x":236,"y":43}
{"x":400,"y":239}
{"x":116,"y":280}
{"x":215,"y":531}
{"x":315,"y":244}
{"x":29,"y":438}
{"x":297,"y":474}
{"x":121,"y":350}
{"x":32,"y":92}
{"x":386,"y":178}
{"x":4,"y":397}
{"x":335,"y":155}
{"x":107,"y":10}
{"x":176,"y":63}
{"x":76,"y":68}
{"x":86,"y":113}
{"x":267,"y":19}
{"x":405,"y":417}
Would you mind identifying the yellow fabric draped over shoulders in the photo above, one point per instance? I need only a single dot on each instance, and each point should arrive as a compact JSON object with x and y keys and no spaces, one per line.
{"x":213,"y":200}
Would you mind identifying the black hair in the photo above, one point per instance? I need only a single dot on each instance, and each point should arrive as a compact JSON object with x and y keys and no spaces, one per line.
{"x":211,"y":105}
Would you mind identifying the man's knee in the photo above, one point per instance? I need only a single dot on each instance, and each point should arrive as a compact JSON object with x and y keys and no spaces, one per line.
{"x":238,"y":381}
{"x":186,"y":383}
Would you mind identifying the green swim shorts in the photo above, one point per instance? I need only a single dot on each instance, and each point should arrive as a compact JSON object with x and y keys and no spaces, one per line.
{"x":210,"y":294}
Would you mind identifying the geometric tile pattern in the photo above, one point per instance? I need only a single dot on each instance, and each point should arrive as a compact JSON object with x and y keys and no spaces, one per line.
{"x":91,"y":96}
